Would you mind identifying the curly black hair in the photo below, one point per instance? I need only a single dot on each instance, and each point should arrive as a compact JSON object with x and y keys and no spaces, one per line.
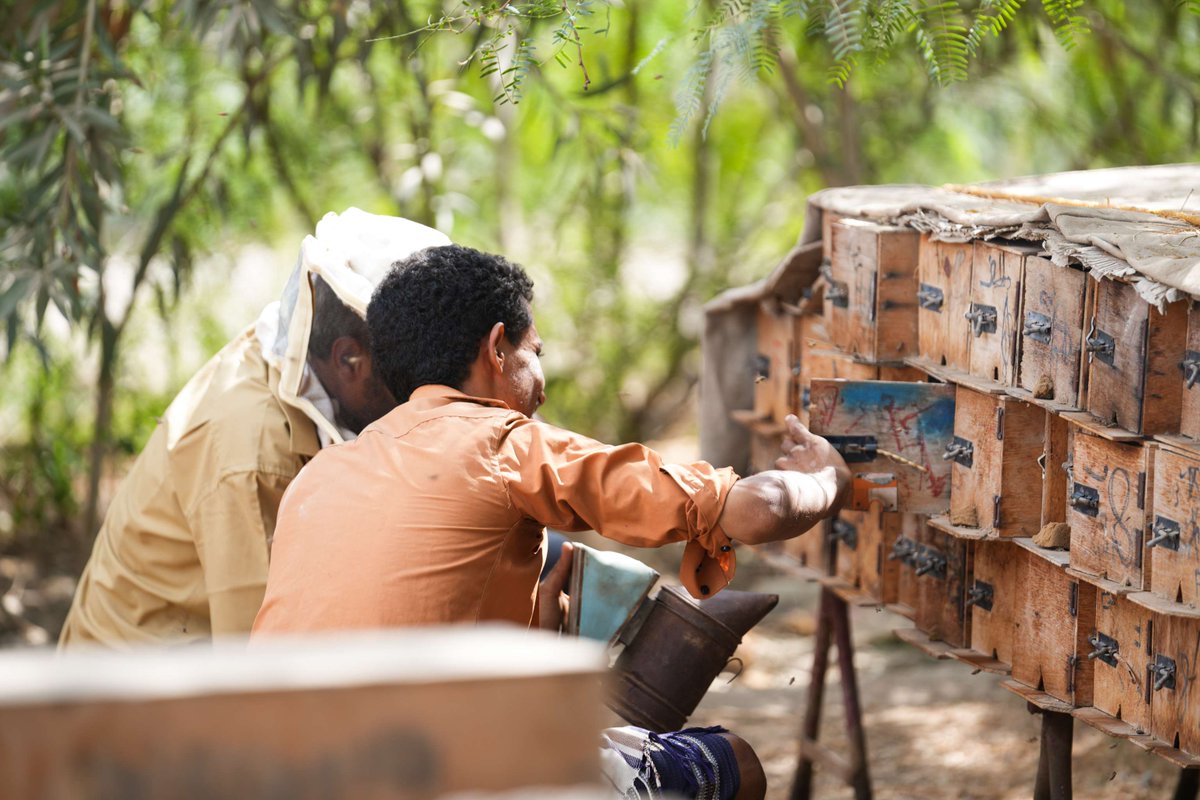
{"x":428,"y":315}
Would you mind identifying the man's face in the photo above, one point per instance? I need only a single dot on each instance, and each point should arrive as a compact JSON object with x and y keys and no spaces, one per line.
{"x":523,"y":387}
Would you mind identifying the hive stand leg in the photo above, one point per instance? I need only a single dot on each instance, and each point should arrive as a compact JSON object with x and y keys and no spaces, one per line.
{"x":1188,"y":787}
{"x":833,"y":627}
{"x":1054,"y":761}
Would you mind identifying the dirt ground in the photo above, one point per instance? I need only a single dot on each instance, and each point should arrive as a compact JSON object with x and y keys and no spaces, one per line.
{"x":934,"y":730}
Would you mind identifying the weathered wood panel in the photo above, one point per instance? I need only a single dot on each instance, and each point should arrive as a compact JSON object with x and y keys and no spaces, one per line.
{"x":1051,"y":351}
{"x":1134,"y":377}
{"x":1189,"y":423}
{"x":380,"y":716}
{"x":996,"y":595}
{"x":1174,"y":541}
{"x":995,"y":311}
{"x":942,"y":567}
{"x":901,"y":429}
{"x":1108,"y":507}
{"x":1056,"y":452}
{"x":1119,"y":651}
{"x":1174,"y":661}
{"x":774,"y":382}
{"x":994,"y":463}
{"x":875,"y":266}
{"x":1054,"y":617}
{"x":944,"y":292}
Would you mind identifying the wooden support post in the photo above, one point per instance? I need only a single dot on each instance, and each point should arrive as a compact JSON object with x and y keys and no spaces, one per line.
{"x":1054,"y":762}
{"x":833,"y":628}
{"x":1188,"y":787}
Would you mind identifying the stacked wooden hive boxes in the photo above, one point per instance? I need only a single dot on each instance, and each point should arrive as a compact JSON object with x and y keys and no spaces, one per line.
{"x":1026,"y":444}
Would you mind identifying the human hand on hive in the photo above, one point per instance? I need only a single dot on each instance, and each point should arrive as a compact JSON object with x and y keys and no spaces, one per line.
{"x":805,"y":451}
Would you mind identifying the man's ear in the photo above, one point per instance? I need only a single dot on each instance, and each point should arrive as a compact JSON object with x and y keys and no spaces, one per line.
{"x":350,"y":359}
{"x":495,"y":348}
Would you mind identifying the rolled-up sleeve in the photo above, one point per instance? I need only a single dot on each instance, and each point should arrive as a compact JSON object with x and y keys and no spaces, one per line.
{"x":623,"y":492}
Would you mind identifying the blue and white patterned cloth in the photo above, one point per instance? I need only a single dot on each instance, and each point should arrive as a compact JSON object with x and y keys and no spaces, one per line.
{"x":692,"y":763}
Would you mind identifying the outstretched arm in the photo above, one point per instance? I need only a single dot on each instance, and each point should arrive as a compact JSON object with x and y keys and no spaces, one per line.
{"x":810,"y":482}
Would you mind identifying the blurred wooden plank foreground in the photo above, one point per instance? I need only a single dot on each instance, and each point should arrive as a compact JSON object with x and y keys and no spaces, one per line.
{"x":412,"y":714}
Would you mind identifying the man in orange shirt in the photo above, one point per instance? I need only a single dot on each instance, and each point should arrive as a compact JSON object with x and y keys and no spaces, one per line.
{"x":436,"y":512}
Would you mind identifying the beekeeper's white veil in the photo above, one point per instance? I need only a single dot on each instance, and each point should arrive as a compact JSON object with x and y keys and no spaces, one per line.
{"x":351,"y":252}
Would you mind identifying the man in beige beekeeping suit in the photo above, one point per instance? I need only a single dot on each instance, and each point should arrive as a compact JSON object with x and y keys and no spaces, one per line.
{"x":182,"y":555}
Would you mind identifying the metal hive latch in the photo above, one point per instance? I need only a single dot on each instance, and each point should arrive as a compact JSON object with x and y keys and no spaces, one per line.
{"x":838,"y":294}
{"x":1037,"y":327}
{"x":1191,"y":368}
{"x":903,"y":550}
{"x":930,"y":562}
{"x":1104,"y":648}
{"x":1166,"y":533}
{"x":1163,"y":670}
{"x":960,"y":451}
{"x":930,"y":297}
{"x":982,"y":319}
{"x":981,"y":594}
{"x":1101,"y":345}
{"x":844,"y":532}
{"x":1084,"y":499}
{"x":855,"y":448}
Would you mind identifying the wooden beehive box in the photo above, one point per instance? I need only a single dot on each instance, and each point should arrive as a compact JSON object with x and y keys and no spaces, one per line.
{"x":1171,"y":675}
{"x":905,"y":597}
{"x":1055,"y":303}
{"x":1173,"y":543}
{"x":820,"y":359}
{"x":1134,"y":355}
{"x":995,"y":597}
{"x":994,"y":314}
{"x":385,"y":714}
{"x":1119,"y":650}
{"x":994,"y":463}
{"x":774,"y":382}
{"x":871,"y":299}
{"x":1108,"y":507}
{"x":892,"y":434}
{"x":1056,"y":452}
{"x":862,"y":541}
{"x":1189,"y":423}
{"x":878,"y":574}
{"x":943,"y":299}
{"x":1055,"y":614}
{"x":942,"y":568}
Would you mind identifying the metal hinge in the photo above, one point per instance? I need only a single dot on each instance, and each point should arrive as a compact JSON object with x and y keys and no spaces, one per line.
{"x":982,"y":319}
{"x":1166,"y":533}
{"x":1000,"y":423}
{"x":1141,"y":497}
{"x":960,"y":451}
{"x":855,"y":448}
{"x":930,"y":298}
{"x":981,"y":594}
{"x":1073,"y":600}
{"x":995,"y":511}
{"x":1037,"y":327}
{"x":1084,"y":499}
{"x":1104,"y":648}
{"x":806,"y":397}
